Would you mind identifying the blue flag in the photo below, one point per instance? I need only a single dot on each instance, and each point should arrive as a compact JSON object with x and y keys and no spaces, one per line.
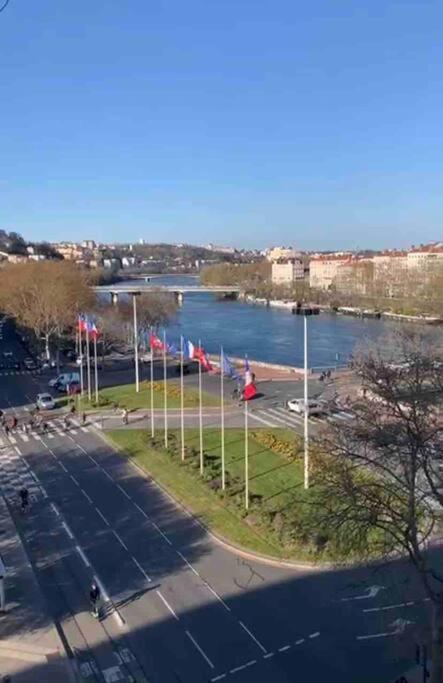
{"x":227,"y":367}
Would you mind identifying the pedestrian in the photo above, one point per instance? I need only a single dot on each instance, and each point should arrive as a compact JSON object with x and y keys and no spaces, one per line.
{"x":94,"y":597}
{"x":84,"y":417}
{"x":328,"y":374}
{"x":14,"y":422}
{"x":125,"y":416}
{"x":72,"y":409}
{"x":45,"y":427}
{"x":3,"y":420}
{"x":7,"y":429}
{"x":66,"y":421}
{"x":2,"y":585}
{"x":24,"y":497}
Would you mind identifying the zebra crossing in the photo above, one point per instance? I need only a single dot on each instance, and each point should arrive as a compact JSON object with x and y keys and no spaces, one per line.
{"x":15,"y":475}
{"x":56,"y":427}
{"x":5,"y":373}
{"x":280,"y":416}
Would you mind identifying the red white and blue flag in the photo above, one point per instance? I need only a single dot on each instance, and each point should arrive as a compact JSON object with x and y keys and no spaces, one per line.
{"x":250,"y":389}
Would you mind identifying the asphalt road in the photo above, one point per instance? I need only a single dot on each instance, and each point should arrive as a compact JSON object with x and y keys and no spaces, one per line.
{"x":178,"y":607}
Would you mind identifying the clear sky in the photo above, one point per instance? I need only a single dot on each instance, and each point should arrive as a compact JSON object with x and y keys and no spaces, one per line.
{"x":240,"y":122}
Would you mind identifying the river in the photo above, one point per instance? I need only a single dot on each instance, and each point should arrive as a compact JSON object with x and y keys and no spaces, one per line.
{"x":267,"y":334}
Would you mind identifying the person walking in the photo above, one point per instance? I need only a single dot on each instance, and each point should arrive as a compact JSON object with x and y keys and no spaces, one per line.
{"x":67,"y":423}
{"x":125,"y":416}
{"x":94,"y":598}
{"x":24,"y":497}
{"x":2,"y":585}
{"x":83,"y":417}
{"x":14,"y":423}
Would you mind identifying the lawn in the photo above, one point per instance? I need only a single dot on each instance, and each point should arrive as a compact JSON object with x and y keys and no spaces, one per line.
{"x":275,"y":482}
{"x":125,"y":396}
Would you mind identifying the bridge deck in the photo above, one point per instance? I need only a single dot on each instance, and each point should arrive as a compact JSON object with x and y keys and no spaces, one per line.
{"x":129,"y":289}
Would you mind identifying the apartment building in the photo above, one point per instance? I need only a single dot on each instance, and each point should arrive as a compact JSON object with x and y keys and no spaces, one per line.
{"x":287,"y":271}
{"x":323,"y":269}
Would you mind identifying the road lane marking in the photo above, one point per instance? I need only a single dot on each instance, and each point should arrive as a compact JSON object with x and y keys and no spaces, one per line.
{"x":165,"y":602}
{"x":218,"y":678}
{"x":268,"y":655}
{"x":141,"y":510}
{"x":123,"y":491}
{"x":120,"y":540}
{"x":55,"y":509}
{"x":17,"y":450}
{"x":260,"y":419}
{"x":300,"y":641}
{"x":384,"y":608}
{"x":102,"y":516}
{"x":161,"y":533}
{"x":24,"y":437}
{"x":251,"y":662}
{"x":237,"y":669}
{"x":74,"y":480}
{"x":284,"y":648}
{"x":137,"y":563}
{"x":257,"y":642}
{"x":68,"y":530}
{"x":197,"y":646}
{"x":86,"y":496}
{"x":116,"y":614}
{"x":187,"y":563}
{"x":61,"y":465}
{"x":314,"y":635}
{"x":82,"y":555}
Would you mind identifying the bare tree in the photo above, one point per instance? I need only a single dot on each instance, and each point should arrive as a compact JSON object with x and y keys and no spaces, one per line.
{"x":45,"y":296}
{"x":379,"y":477}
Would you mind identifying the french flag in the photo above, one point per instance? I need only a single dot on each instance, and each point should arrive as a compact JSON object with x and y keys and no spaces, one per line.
{"x":250,"y":389}
{"x":189,"y":350}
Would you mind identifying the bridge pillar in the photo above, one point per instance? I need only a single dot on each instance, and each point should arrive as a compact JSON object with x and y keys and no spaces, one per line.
{"x":114,"y":298}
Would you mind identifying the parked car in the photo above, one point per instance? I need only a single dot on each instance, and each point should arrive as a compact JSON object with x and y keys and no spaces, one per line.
{"x":45,"y":402}
{"x":297,"y":405}
{"x":73,"y":388}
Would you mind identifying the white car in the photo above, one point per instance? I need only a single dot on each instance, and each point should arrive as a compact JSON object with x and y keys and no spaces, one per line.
{"x":45,"y":402}
{"x":297,"y":405}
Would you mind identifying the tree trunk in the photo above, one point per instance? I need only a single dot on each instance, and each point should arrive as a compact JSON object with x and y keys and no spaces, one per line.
{"x":437,"y":642}
{"x":48,"y":355}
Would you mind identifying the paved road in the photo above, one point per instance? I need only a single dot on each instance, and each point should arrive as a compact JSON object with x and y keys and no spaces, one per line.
{"x":178,"y":607}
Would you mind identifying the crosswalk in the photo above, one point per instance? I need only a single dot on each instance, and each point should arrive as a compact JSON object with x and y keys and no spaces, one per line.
{"x":280,"y":416}
{"x":55,"y":428}
{"x":15,"y":475}
{"x":5,"y":373}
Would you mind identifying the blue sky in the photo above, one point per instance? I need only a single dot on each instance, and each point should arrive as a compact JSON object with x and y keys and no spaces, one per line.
{"x":242,"y":122}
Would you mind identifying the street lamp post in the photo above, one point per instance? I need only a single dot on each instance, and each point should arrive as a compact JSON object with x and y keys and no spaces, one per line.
{"x":306,"y":312}
{"x":137,"y":382}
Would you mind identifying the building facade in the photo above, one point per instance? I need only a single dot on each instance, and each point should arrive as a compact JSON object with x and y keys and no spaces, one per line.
{"x":323,"y":269}
{"x":287,"y":271}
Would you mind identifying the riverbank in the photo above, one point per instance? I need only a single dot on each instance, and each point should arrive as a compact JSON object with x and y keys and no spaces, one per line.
{"x":294,"y":307}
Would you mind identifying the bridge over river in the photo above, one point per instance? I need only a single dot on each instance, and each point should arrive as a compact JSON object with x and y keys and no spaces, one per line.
{"x":179,"y":291}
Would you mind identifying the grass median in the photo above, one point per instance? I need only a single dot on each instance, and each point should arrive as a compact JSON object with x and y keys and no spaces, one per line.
{"x":275,"y":485}
{"x":125,"y":396}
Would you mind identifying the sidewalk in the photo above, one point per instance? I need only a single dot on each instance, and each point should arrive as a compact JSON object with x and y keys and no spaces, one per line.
{"x":30,"y":648}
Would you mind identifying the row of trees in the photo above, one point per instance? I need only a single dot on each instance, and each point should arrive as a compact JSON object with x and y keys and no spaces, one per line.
{"x":47,"y":297}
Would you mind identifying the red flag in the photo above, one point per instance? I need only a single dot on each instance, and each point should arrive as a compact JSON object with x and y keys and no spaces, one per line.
{"x":200,"y":355}
{"x":155,"y":342}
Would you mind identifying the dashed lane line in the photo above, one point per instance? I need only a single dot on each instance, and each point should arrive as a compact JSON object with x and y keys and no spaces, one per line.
{"x":197,"y":646}
{"x":168,"y":606}
{"x":137,"y":564}
{"x":256,"y":641}
{"x":82,"y":555}
{"x":99,"y":512}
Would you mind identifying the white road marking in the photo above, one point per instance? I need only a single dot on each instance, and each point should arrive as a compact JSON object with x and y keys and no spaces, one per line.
{"x":120,"y":540}
{"x":161,"y":533}
{"x":12,"y":440}
{"x":257,"y":642}
{"x":284,"y":648}
{"x":260,"y":419}
{"x":141,"y":510}
{"x":314,"y":635}
{"x":24,"y":437}
{"x":267,"y":656}
{"x":102,"y":516}
{"x":17,"y":450}
{"x":399,"y":605}
{"x":68,"y":530}
{"x":55,"y":509}
{"x":74,"y":480}
{"x":188,"y":563}
{"x":82,"y":555}
{"x":237,"y":668}
{"x":137,"y":563}
{"x":197,"y":646}
{"x":371,"y":593}
{"x":218,"y":678}
{"x":123,"y":491}
{"x":62,"y":465}
{"x":299,"y":642}
{"x":86,"y":495}
{"x":116,"y":614}
{"x":165,"y":602}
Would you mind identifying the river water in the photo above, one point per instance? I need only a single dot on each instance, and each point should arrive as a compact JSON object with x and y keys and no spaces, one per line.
{"x":267,"y":334}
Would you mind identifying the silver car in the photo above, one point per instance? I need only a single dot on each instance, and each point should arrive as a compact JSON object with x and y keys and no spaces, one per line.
{"x":45,"y":402}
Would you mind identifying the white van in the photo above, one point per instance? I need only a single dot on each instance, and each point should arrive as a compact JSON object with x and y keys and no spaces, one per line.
{"x":62,"y":381}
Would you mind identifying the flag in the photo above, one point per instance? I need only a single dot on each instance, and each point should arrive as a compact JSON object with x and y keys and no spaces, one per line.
{"x":172,"y":349}
{"x":93,"y":330}
{"x":82,"y":322}
{"x":227,"y":368}
{"x":200,"y":355}
{"x":189,"y":350}
{"x":155,"y":342}
{"x":250,"y":389}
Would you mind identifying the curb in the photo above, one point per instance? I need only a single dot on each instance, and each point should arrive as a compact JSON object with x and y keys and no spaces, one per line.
{"x":218,"y":538}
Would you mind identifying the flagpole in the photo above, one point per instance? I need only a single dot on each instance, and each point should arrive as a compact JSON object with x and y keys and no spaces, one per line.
{"x":88,"y":361}
{"x":182,"y":403}
{"x":82,"y":388}
{"x":200,"y":415}
{"x":222,"y":402}
{"x":246,"y":457}
{"x":152,"y":386}
{"x":137,"y":382}
{"x":165,"y":395}
{"x":306,"y":406}
{"x":96,"y":368}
